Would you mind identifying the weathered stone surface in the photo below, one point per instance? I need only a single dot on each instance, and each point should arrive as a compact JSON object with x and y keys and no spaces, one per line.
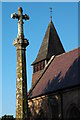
{"x":56,"y":106}
{"x":21,"y":82}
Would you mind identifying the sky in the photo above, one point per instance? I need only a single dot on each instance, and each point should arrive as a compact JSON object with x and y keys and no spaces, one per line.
{"x":65,"y":19}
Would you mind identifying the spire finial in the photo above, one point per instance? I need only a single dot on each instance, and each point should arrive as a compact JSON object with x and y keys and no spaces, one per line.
{"x":50,"y":13}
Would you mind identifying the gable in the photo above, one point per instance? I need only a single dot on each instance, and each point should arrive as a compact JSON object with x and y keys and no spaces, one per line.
{"x":62,"y":73}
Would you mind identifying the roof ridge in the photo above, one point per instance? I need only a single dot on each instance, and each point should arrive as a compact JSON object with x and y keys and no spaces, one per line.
{"x":46,"y":67}
{"x":68,"y":52}
{"x":49,"y":37}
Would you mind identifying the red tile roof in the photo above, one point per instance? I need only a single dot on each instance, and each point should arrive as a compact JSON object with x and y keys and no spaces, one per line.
{"x":63,"y":72}
{"x":35,"y":76}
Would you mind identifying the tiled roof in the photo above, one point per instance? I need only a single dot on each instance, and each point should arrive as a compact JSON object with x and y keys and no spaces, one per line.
{"x":63,"y":72}
{"x":51,"y":44}
{"x":35,"y":76}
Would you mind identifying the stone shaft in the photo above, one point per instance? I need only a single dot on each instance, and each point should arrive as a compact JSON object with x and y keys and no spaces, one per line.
{"x":21,"y":85}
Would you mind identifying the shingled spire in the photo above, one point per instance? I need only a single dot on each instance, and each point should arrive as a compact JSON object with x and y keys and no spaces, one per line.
{"x":50,"y":46}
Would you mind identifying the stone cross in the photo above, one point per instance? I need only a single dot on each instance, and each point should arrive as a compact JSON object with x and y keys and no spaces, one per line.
{"x":21,"y":82}
{"x":20,"y":18}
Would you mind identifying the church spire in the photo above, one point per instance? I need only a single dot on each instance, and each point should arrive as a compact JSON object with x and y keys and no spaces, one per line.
{"x":51,"y":45}
{"x":50,"y":14}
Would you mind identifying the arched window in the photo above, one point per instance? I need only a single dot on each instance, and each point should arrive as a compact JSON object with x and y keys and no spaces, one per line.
{"x":41,"y":116}
{"x":74,"y":114}
{"x":54,"y":108}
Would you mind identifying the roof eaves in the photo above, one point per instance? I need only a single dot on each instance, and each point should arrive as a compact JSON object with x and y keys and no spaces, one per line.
{"x":57,"y":91}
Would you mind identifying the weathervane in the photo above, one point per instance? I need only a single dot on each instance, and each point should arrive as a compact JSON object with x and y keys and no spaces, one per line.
{"x":50,"y":13}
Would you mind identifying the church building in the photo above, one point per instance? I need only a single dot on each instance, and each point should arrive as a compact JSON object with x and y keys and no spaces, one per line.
{"x":55,"y":90}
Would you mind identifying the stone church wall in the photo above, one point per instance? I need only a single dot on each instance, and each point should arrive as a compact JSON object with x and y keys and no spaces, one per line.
{"x":71,"y":99}
{"x":55,"y":106}
{"x":45,"y":107}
